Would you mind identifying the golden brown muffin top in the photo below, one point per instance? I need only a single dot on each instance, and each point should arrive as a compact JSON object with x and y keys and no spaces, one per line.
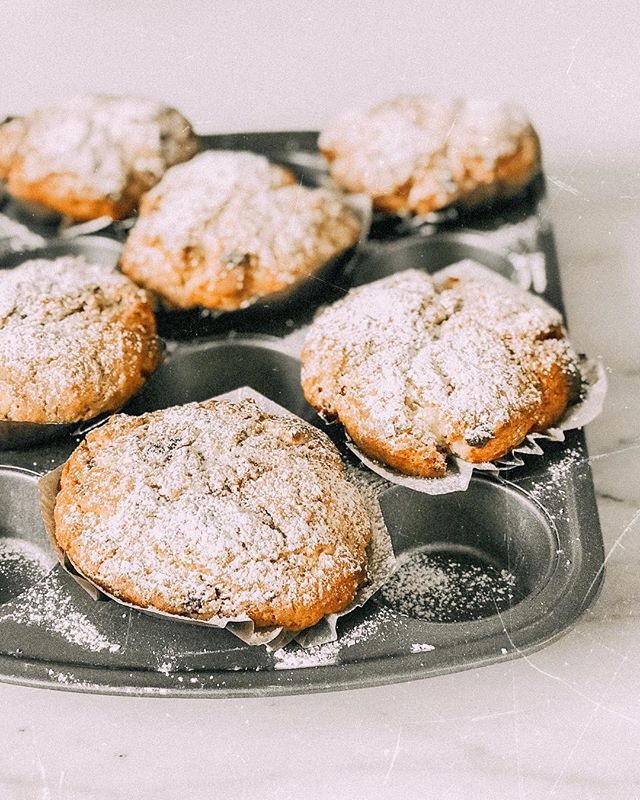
{"x":215,"y":509}
{"x":65,"y":326}
{"x":101,"y":144}
{"x":422,"y":142}
{"x":437,"y":357}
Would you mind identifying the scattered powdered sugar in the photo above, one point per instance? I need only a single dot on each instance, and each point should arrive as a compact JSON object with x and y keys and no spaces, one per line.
{"x":50,"y":606}
{"x":421,"y":647}
{"x":13,"y":549}
{"x":434,"y":364}
{"x":69,"y":679}
{"x":435,"y":147}
{"x":295,"y":657}
{"x":448,"y":587}
{"x":22,"y":564}
{"x":557,"y":475}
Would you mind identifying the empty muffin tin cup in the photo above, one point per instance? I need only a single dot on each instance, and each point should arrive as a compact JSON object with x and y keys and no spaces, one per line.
{"x":468,"y":557}
{"x":199,"y":372}
{"x":430,"y":254}
{"x":25,"y":554}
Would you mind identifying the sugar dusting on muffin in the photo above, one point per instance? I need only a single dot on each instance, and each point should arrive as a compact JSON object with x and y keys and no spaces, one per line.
{"x":76,"y":339}
{"x":416,"y":367}
{"x":92,"y":154}
{"x":420,"y":153}
{"x":229,"y":228}
{"x":215,"y":509}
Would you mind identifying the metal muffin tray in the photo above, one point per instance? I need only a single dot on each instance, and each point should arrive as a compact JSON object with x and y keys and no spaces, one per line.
{"x":538,"y":523}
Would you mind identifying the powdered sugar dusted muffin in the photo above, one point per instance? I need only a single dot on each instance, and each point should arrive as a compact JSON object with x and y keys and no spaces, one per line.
{"x":419,"y":154}
{"x":76,"y":339}
{"x":94,"y":155}
{"x":215,"y":509}
{"x":229,"y":228}
{"x":417,"y":367}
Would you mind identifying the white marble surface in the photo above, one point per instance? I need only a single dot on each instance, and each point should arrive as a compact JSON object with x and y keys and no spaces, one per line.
{"x":563,"y":723}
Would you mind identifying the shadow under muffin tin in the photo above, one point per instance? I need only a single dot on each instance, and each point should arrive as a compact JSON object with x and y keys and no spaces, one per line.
{"x":484,"y":575}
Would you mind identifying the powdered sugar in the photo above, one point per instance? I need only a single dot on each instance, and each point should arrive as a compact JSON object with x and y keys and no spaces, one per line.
{"x":64,"y":340}
{"x":432,"y":364}
{"x":50,"y":606}
{"x":96,"y":144}
{"x":216,"y":510}
{"x":439,"y":149}
{"x":228,"y":228}
{"x":320,"y":655}
{"x":448,"y":587}
{"x":421,"y":647}
{"x":22,"y":564}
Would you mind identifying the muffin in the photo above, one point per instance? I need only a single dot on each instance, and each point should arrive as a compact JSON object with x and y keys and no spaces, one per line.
{"x":418,"y":367}
{"x":418,"y":154}
{"x":230,"y":228}
{"x":76,"y":339}
{"x":92,"y":156}
{"x":215,"y":510}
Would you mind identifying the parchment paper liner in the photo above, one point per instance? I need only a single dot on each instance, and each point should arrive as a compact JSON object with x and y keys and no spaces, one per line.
{"x":380,"y":557}
{"x":459,"y":472}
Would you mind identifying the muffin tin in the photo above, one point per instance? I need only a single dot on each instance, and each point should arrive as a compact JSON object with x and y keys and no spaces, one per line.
{"x":538,"y":523}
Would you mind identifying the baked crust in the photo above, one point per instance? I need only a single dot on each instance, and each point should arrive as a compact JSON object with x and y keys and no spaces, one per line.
{"x":215,"y":509}
{"x":418,"y":154}
{"x":92,"y":156}
{"x":229,"y":228}
{"x":417,"y":368}
{"x":76,"y":339}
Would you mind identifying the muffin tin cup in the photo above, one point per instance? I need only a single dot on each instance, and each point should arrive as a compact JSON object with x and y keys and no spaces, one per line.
{"x":391,"y":226}
{"x":538,"y":521}
{"x":380,"y":557}
{"x":436,"y":252}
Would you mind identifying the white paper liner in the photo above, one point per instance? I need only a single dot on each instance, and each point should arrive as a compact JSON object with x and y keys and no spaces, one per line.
{"x":380,"y":558}
{"x":459,"y":472}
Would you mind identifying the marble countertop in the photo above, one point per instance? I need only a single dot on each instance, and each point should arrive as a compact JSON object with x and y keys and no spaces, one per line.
{"x":563,"y":723}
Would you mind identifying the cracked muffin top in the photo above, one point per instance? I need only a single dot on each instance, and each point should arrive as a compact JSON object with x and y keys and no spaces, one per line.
{"x":94,"y":155}
{"x":418,"y":367}
{"x":215,"y":510}
{"x":419,"y":154}
{"x":76,"y":339}
{"x":229,"y":228}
